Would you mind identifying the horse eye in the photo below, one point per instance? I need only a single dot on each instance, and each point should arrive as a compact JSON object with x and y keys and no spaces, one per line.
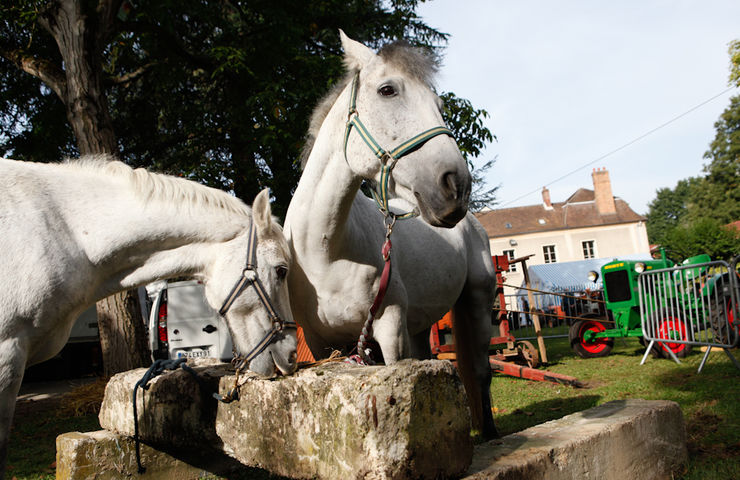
{"x":387,"y":91}
{"x":282,"y":272}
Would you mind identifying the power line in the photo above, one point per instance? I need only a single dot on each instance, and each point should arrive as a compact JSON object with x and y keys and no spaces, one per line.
{"x":631,"y":142}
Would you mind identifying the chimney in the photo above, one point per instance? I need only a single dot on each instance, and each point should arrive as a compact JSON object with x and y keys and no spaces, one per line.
{"x":546,"y":198}
{"x":603,"y":192}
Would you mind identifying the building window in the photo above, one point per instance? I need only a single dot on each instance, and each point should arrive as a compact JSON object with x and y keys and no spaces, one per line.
{"x":549,"y":252}
{"x":588,"y":249}
{"x":510,"y":255}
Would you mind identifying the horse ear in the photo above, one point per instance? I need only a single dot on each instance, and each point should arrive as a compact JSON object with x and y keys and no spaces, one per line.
{"x":356,"y":55}
{"x":261,"y":210}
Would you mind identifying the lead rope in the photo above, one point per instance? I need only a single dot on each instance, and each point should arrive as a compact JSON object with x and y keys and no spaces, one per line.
{"x":363,"y":356}
{"x":157,"y":368}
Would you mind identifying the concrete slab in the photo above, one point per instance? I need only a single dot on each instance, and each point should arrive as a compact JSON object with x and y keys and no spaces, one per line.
{"x":622,"y":439}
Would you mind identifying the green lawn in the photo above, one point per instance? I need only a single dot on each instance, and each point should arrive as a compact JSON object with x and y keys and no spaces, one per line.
{"x":709,"y":401}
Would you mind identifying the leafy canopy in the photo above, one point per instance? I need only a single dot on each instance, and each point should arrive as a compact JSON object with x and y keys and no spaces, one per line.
{"x":219,"y":92}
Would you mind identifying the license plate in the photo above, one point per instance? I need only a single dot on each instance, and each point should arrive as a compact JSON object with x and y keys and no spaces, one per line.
{"x":194,"y":354}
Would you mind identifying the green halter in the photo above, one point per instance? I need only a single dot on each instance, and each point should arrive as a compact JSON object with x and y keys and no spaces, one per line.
{"x":387,"y":159}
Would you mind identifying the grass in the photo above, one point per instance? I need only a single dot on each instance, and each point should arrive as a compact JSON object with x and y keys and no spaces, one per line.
{"x":32,"y":451}
{"x":708,"y":400}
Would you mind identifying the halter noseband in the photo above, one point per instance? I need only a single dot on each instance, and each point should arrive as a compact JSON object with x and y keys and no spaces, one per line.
{"x":387,"y":159}
{"x":250,"y":278}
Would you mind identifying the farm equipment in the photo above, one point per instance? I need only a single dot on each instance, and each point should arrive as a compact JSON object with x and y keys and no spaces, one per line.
{"x":516,"y":358}
{"x":696,"y":296}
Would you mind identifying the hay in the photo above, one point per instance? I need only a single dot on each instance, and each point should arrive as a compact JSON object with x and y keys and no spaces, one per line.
{"x":83,"y":400}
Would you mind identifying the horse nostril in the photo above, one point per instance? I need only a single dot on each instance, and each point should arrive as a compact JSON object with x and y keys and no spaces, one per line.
{"x":448,"y":183}
{"x":293,"y":357}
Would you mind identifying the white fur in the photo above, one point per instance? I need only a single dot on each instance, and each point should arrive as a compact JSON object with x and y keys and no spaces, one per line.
{"x":75,"y":233}
{"x":336,"y":232}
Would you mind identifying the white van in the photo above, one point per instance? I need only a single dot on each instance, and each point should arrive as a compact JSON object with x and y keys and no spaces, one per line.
{"x":182,"y":324}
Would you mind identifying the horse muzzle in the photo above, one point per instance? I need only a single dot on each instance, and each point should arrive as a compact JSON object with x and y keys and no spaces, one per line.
{"x":272,"y":363}
{"x":447,"y":203}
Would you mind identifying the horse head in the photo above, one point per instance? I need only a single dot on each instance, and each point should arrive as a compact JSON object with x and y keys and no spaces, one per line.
{"x":398,"y":116}
{"x":248,"y":281}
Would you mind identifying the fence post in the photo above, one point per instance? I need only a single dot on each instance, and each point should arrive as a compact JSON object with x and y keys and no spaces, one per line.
{"x":535,"y":317}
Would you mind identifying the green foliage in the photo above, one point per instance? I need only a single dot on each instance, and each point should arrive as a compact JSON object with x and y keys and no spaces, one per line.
{"x":705,"y":235}
{"x":691,"y":218}
{"x":668,"y":209}
{"x":734,"y":50}
{"x":466,"y":122}
{"x":217,"y":92}
{"x":718,"y":194}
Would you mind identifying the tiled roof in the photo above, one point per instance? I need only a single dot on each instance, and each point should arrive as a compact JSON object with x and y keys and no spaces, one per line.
{"x":578,"y":211}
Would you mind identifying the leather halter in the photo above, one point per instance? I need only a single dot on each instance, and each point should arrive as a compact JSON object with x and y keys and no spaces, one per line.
{"x":250,"y":278}
{"x":387,"y":159}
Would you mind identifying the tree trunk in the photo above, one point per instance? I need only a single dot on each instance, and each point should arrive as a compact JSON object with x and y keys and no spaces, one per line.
{"x":81,"y":34}
{"x":122,"y":335}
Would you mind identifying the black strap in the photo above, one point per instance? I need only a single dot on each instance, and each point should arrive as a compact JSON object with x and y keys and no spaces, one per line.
{"x":157,"y":368}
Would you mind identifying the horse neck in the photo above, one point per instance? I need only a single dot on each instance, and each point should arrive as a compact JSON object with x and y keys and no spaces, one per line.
{"x":322,"y":201}
{"x":131,"y":241}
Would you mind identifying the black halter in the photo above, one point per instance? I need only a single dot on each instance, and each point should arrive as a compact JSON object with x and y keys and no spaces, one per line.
{"x":250,"y":277}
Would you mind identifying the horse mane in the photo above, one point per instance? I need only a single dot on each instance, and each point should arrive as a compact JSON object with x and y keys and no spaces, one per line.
{"x":158,"y":186}
{"x":415,"y":62}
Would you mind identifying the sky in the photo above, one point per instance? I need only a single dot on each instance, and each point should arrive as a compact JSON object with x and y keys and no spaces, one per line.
{"x":592,"y":84}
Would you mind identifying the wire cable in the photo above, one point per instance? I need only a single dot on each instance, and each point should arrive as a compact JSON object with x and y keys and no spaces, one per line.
{"x":631,"y":142}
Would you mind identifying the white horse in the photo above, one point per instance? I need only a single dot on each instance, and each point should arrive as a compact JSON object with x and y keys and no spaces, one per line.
{"x":336,"y":232}
{"x":77,"y":232}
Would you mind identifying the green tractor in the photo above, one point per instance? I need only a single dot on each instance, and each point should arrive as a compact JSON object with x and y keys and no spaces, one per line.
{"x":671,"y":305}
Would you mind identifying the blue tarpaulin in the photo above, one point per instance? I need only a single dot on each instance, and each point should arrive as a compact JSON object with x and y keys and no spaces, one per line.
{"x":572,"y":276}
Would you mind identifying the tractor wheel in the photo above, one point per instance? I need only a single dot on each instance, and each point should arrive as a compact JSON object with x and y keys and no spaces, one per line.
{"x":656,"y":351}
{"x":725,"y":326}
{"x":530,"y":354}
{"x":672,"y":328}
{"x":599,"y":348}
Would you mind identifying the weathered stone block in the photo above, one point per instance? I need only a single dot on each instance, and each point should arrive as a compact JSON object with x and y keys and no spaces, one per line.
{"x":618,"y":440}
{"x":407,"y":420}
{"x":103,"y":455}
{"x":175,"y":410}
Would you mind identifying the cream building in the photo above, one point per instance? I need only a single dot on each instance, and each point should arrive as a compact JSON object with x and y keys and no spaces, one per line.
{"x":589,"y":224}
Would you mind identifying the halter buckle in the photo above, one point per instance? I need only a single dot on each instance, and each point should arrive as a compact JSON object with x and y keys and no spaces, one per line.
{"x":249,"y":273}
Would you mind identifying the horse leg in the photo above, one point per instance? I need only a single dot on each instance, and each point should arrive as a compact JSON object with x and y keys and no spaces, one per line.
{"x":472,"y":331}
{"x":12,"y":363}
{"x":390,"y":331}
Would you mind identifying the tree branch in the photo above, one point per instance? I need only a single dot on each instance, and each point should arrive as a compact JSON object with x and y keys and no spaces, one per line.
{"x":131,"y":76}
{"x":106,"y":15}
{"x":41,"y":68}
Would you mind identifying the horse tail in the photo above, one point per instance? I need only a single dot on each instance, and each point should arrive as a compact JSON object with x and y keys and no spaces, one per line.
{"x":476,"y":382}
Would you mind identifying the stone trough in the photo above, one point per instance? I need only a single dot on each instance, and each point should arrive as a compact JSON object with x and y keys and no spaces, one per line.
{"x":338,"y":421}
